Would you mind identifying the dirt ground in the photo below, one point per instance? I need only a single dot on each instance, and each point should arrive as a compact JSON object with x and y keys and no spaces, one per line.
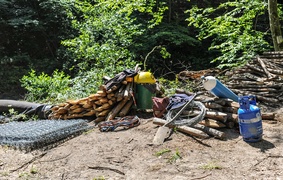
{"x":129,"y":154}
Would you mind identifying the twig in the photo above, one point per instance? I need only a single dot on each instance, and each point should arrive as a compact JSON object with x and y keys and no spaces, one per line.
{"x":269,"y":156}
{"x":145,"y":59}
{"x":202,"y":176}
{"x":106,"y":168}
{"x":56,"y":159}
{"x":130,"y":140}
{"x":29,"y":162}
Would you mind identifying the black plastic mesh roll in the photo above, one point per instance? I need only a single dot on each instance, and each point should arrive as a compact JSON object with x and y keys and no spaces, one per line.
{"x":31,"y":135}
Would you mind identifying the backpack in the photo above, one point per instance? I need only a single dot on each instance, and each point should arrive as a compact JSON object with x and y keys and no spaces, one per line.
{"x":159,"y":106}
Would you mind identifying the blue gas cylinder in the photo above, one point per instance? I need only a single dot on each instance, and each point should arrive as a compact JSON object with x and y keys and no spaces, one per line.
{"x":249,"y":118}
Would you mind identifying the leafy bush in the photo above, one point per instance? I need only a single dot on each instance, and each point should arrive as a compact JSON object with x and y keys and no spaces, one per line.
{"x":44,"y":87}
{"x":60,"y":87}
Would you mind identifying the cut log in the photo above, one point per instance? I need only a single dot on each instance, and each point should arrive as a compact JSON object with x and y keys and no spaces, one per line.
{"x":266,"y":94}
{"x":113,"y":88}
{"x":120,"y":93}
{"x":61,"y":110}
{"x":259,"y":89}
{"x":268,"y":116}
{"x":275,"y":71}
{"x":106,"y":106}
{"x":99,"y":119}
{"x":256,"y":68}
{"x":182,"y":91}
{"x":255,"y":86}
{"x":271,"y":100}
{"x":124,"y":111}
{"x":217,"y":115}
{"x":77,"y":110}
{"x":112,"y":114}
{"x":227,"y":102}
{"x":73,"y":102}
{"x":126,"y":91}
{"x":102,"y":87}
{"x":268,"y":74}
{"x":99,"y":109}
{"x":232,"y":117}
{"x":211,"y":131}
{"x":55,"y":108}
{"x":184,"y":129}
{"x":93,"y":97}
{"x":90,"y":113}
{"x":110,"y":95}
{"x":103,"y":113}
{"x":212,"y":123}
{"x":103,"y":100}
{"x":110,"y":102}
{"x":98,"y":103}
{"x":101,"y":93}
{"x":87,"y":105}
{"x":253,"y":77}
{"x":230,"y":110}
{"x":212,"y":105}
{"x":114,"y":99}
{"x":83,"y":101}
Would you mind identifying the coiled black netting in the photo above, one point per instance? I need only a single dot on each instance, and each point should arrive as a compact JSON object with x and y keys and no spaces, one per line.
{"x":30,"y":135}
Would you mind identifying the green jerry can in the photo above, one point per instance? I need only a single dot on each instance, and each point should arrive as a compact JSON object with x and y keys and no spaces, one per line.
{"x":145,"y":85}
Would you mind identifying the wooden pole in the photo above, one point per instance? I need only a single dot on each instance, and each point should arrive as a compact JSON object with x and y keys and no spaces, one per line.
{"x":184,"y":129}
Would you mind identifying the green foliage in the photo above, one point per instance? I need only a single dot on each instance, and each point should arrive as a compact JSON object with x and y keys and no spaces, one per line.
{"x":87,"y":83}
{"x":106,"y":30}
{"x":234,"y":29}
{"x":175,"y":156}
{"x":161,"y":152}
{"x":30,"y":33}
{"x":46,"y":88}
{"x":99,"y":178}
{"x":32,"y":29}
{"x":170,"y":86}
{"x":211,"y":166}
{"x":60,"y":87}
{"x":12,"y":115}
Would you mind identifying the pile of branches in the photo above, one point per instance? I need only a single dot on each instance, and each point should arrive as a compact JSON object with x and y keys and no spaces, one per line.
{"x":261,"y":77}
{"x":104,"y":104}
{"x":220,"y":113}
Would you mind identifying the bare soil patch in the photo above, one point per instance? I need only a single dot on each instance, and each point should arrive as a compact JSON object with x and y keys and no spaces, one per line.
{"x":129,"y":154}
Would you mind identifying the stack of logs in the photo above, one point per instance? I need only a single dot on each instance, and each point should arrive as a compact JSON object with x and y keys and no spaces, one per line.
{"x":104,"y":104}
{"x":223,"y":112}
{"x":262,"y":77}
{"x":220,"y":113}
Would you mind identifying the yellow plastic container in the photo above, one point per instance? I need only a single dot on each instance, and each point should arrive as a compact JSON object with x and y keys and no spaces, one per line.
{"x":144,"y":78}
{"x":143,"y":95}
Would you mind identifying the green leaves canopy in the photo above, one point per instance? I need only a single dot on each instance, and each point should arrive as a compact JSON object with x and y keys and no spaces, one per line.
{"x":234,"y":29}
{"x":106,"y":30}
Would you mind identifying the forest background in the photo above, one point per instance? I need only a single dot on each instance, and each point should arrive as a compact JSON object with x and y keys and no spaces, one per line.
{"x":53,"y":50}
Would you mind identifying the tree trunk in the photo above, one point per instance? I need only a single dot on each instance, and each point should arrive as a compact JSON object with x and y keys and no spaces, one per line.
{"x":274,"y":25}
